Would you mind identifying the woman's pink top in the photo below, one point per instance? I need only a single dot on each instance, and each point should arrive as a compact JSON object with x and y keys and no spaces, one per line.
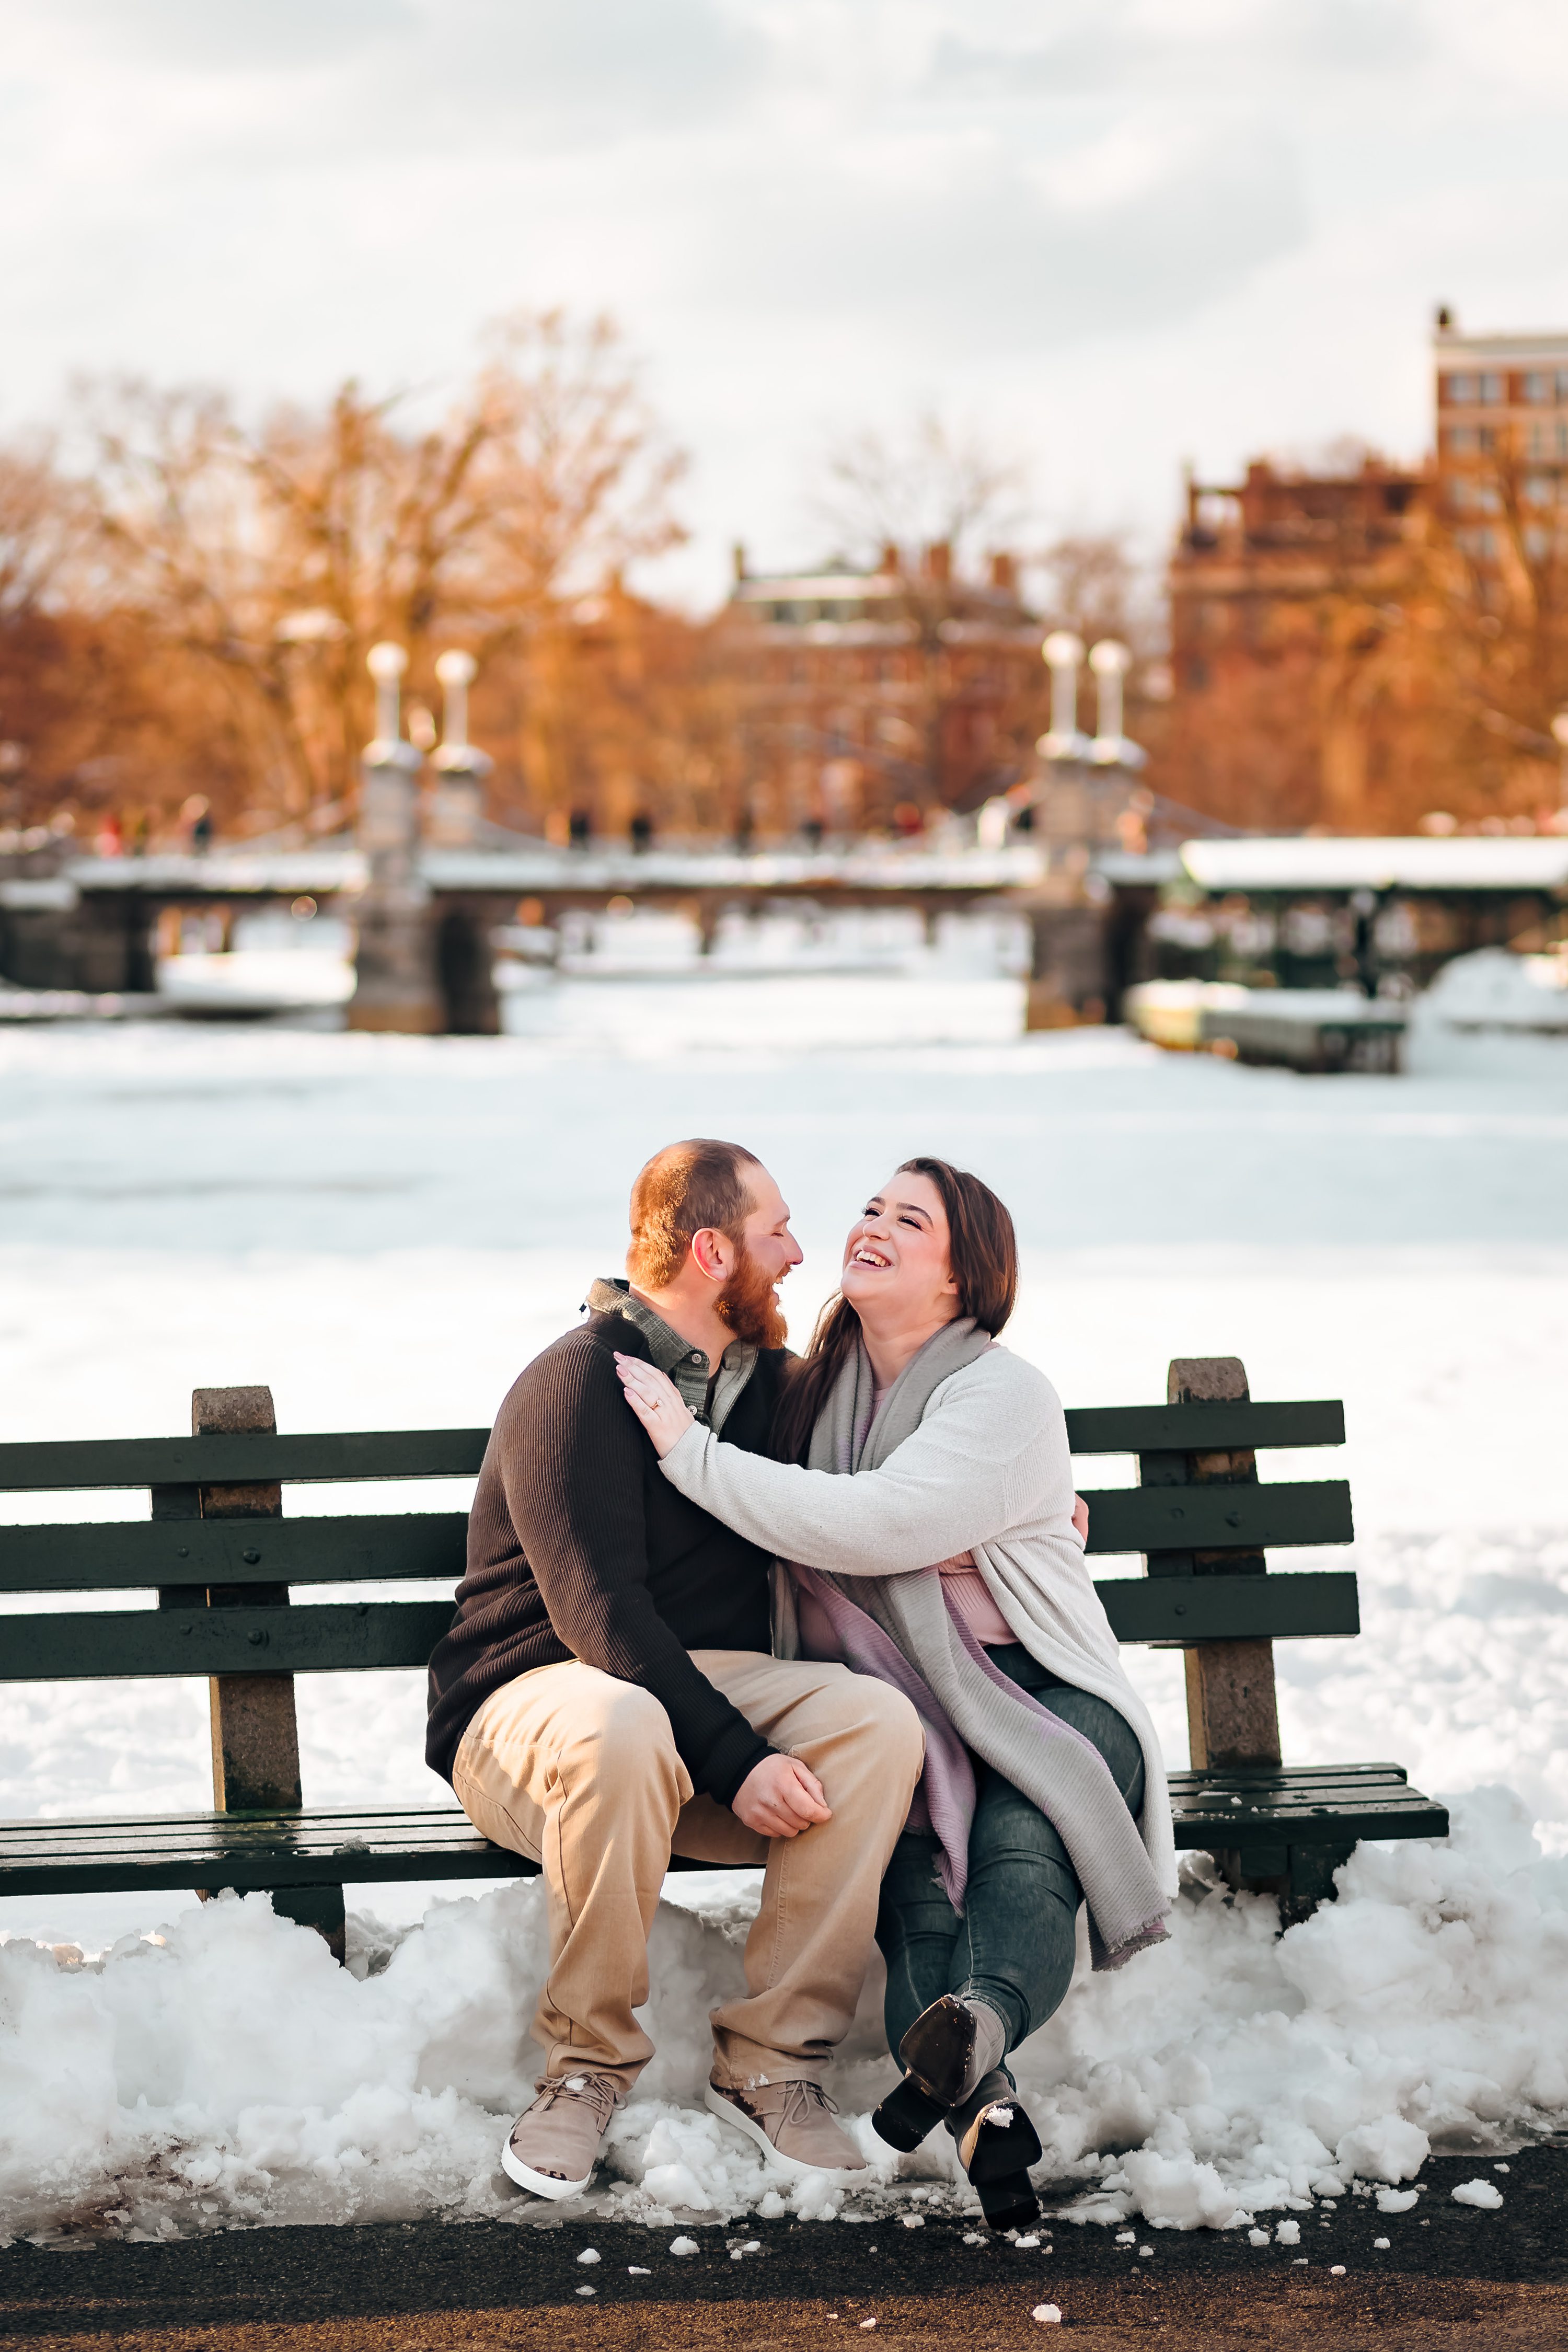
{"x":968,"y":1596}
{"x":963,"y":1589}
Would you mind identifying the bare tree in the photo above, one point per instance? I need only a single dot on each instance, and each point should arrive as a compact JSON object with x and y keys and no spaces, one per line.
{"x":273,"y":557}
{"x":931,"y":484}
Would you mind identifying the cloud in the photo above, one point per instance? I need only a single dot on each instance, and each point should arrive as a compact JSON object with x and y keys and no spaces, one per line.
{"x":1027,"y":244}
{"x":1228,"y":46}
{"x":391,"y":72}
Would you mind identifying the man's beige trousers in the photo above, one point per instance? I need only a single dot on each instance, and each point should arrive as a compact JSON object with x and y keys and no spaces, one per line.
{"x":579,"y":1771}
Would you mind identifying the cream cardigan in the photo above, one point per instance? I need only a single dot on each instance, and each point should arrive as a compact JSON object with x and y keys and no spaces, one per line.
{"x":988,"y":1471}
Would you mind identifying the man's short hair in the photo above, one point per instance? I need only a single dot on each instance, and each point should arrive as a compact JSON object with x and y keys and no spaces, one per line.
{"x":684,"y":1189}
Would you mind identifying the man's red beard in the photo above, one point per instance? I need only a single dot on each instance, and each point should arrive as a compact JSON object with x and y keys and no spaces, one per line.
{"x":748,"y":1306}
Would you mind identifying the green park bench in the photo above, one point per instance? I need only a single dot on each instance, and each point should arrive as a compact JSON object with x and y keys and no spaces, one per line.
{"x":222,"y":1557}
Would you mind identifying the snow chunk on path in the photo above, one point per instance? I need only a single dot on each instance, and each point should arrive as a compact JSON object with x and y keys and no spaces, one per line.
{"x":227,"y":2071}
{"x":1483,"y":2193}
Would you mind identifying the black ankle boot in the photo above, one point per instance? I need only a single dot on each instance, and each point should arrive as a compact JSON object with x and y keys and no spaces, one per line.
{"x":996,"y":2144}
{"x":906,"y":2116}
{"x":952,"y":2045}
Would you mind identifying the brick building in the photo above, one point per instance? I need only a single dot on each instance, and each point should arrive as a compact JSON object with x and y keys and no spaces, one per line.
{"x":1268,"y":585}
{"x":1502,"y":444}
{"x":1355,"y":648}
{"x":878,"y":698}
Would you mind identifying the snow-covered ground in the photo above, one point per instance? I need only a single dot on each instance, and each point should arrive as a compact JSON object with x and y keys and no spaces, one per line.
{"x":384,"y":1229}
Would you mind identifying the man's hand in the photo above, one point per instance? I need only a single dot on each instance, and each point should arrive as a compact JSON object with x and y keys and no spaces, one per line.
{"x":779,"y":1798}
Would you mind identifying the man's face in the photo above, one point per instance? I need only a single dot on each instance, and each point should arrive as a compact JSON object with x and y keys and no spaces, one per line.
{"x":749,"y":1300}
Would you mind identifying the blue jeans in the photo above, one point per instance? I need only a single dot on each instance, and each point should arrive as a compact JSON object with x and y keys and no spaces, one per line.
{"x":1016,"y":1944}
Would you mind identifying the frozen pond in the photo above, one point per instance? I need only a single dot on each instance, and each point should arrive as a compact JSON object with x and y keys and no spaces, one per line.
{"x":385,"y":1228}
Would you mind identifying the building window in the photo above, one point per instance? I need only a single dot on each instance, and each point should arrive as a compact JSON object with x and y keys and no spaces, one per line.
{"x":1487,"y":391}
{"x":1537,"y":543}
{"x":1460,"y":438}
{"x":1562,"y":385}
{"x":1478,"y":541}
{"x":1540,"y":389}
{"x":1539,"y":489}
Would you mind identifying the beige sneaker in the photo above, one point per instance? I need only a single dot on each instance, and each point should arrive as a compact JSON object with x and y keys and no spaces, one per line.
{"x":792,"y":2120}
{"x":553,"y":2146}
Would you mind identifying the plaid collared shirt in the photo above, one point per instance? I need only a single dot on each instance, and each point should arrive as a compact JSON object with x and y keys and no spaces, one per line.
{"x":687,"y":1366}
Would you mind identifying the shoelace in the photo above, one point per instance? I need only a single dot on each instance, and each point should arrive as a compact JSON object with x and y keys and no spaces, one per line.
{"x":799,"y":2095}
{"x":596,"y":2091}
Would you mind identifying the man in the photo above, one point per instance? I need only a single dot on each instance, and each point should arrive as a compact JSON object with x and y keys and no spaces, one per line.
{"x":607,"y":1697}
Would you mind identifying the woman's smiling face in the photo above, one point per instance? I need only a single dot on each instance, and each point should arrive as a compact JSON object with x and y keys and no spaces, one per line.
{"x":896,"y":1266}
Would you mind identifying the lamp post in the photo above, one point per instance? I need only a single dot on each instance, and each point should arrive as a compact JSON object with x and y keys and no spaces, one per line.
{"x":1063,"y":653}
{"x":1073,"y":971}
{"x":1110,"y":661}
{"x":455,"y":806}
{"x":395,"y":958}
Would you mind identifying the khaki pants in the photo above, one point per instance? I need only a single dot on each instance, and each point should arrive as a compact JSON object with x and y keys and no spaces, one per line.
{"x":579,"y":1771}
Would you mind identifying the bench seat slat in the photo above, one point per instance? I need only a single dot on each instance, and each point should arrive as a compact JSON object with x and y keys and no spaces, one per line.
{"x":240,"y":1459}
{"x":1219,"y":1517}
{"x":1300,"y":1805}
{"x":122,"y":1556}
{"x":281,"y":1850}
{"x":1203,"y":1428}
{"x":1313,"y":1805}
{"x":1219,"y":1608}
{"x":335,"y":1637}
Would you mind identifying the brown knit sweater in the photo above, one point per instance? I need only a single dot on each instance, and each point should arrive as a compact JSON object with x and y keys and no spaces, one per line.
{"x":579,"y":1548}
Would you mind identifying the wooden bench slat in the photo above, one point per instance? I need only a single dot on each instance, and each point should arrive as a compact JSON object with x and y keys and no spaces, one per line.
{"x":59,"y":1464}
{"x":305,"y":1849}
{"x":1296,"y":1805}
{"x":1202,"y":1428}
{"x":1219,"y":1517}
{"x":1187,"y":1608}
{"x":334,"y":1637}
{"x":241,"y":1460}
{"x":146,"y":1553}
{"x":1310,"y":1805}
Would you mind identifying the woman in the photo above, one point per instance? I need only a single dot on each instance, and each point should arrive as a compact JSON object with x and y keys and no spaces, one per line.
{"x":1044,"y":1785}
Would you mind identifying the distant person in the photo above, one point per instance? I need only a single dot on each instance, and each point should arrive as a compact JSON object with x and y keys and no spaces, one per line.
{"x":197,"y":816}
{"x":607,"y":1694}
{"x":641,"y":832}
{"x":579,"y":828}
{"x":951,"y":1562}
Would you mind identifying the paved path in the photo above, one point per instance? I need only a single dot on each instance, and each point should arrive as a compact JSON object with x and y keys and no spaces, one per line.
{"x":1452,"y":2276}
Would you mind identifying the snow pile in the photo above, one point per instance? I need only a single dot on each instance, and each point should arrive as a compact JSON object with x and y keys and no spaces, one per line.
{"x":1240,"y":2072}
{"x":1496,"y":1013}
{"x":225,"y":2071}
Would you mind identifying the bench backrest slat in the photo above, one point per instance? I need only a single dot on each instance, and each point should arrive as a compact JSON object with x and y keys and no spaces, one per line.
{"x":1200,"y":1428}
{"x":237,"y":1460}
{"x":1219,"y":1518}
{"x":45,"y":1467}
{"x":334,"y":1637}
{"x":141,"y":1554}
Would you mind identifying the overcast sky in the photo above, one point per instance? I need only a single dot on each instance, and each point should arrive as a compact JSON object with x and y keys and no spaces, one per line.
{"x":1115,"y":232}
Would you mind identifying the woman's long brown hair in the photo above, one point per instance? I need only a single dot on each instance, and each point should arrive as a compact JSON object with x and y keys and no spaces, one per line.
{"x":984,"y":1256}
